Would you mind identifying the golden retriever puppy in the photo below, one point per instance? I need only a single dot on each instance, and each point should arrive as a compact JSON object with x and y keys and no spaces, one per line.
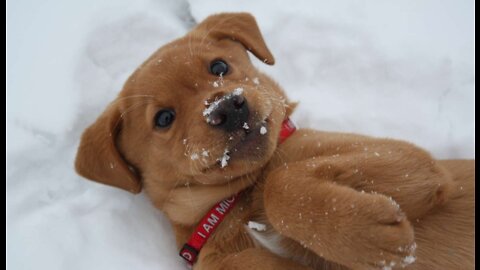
{"x":197,"y":123}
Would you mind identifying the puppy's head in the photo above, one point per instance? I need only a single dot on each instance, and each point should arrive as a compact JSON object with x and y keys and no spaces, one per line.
{"x":195,"y":112}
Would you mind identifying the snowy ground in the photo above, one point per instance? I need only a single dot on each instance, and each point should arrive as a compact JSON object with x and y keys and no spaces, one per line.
{"x":402,"y":70}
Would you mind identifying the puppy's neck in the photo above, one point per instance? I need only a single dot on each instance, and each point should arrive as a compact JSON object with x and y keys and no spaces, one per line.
{"x":186,"y":205}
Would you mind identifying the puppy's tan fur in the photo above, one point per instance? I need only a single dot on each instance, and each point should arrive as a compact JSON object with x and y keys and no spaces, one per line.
{"x":329,"y":200}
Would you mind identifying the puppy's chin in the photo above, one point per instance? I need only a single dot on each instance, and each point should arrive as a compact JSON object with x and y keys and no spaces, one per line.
{"x":253,"y":146}
{"x":247,"y":153}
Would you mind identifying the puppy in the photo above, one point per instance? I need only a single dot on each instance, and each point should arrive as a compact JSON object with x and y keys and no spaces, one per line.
{"x":196,"y":123}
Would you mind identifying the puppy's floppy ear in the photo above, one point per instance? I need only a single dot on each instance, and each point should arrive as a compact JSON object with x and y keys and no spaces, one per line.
{"x":98,"y":158}
{"x":240,"y":27}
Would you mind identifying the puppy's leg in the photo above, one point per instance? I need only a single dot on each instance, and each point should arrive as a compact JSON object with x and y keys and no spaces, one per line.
{"x":398,"y":169}
{"x":446,"y":237}
{"x":355,"y":229}
{"x":251,"y":258}
{"x":415,"y":181}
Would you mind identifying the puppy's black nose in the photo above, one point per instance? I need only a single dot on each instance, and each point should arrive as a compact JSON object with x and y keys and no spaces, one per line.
{"x":228,"y":113}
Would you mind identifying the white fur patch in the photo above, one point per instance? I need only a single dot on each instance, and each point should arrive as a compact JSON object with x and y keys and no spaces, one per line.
{"x":257,"y":226}
{"x":268,"y":240}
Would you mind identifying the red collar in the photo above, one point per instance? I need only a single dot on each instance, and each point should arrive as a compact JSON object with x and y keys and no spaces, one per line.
{"x":288,"y":127}
{"x":215,"y":216}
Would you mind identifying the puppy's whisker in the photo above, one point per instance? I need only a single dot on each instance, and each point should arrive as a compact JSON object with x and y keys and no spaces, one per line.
{"x":130,"y":109}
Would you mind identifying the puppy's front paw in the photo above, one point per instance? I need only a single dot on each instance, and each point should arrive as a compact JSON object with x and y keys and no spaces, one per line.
{"x":381,"y":235}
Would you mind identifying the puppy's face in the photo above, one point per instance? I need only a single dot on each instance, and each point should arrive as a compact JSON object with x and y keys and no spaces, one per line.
{"x":195,"y":113}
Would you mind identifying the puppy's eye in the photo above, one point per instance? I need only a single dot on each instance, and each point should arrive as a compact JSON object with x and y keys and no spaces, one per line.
{"x":219,"y":68}
{"x":164,"y":118}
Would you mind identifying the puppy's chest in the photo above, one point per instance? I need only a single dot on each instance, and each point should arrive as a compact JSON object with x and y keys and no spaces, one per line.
{"x":259,"y":228}
{"x":247,"y":226}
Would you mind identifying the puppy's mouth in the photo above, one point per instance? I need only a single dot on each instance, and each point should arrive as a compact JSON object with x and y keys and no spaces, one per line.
{"x":249,"y":143}
{"x":252,"y":141}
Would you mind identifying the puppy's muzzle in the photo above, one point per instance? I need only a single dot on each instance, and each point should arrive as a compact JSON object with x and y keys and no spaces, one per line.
{"x":229,"y":113}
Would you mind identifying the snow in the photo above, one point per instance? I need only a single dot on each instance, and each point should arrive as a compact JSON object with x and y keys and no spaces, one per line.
{"x":263,"y":130}
{"x":256,"y":226}
{"x":403,"y":70}
{"x":214,"y":105}
{"x":237,"y":91}
{"x":408,"y":260}
{"x":224,"y":159}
